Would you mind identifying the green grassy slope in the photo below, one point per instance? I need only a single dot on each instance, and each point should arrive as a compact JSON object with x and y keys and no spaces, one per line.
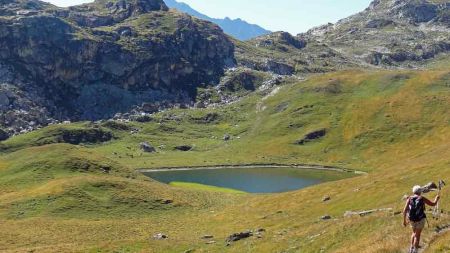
{"x":393,"y":124}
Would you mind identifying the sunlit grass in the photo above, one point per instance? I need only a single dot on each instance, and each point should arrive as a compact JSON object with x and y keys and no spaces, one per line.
{"x":393,"y":124}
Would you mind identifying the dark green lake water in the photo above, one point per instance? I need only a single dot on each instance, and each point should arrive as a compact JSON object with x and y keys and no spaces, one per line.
{"x":252,"y":180}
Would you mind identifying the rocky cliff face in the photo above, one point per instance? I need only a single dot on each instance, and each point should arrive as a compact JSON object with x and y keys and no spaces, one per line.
{"x":284,"y":54}
{"x":91,"y":61}
{"x":403,"y":33}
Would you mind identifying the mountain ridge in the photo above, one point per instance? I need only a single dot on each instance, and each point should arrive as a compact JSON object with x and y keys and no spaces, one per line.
{"x":237,"y":28}
{"x":387,"y":34}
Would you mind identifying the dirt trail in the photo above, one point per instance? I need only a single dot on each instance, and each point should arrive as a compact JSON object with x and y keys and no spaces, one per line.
{"x":440,"y":230}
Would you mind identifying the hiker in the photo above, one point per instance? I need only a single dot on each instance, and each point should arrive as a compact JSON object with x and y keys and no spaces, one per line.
{"x":415,"y":210}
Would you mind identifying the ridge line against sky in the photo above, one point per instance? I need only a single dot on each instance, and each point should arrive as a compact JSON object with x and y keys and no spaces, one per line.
{"x":294,"y":16}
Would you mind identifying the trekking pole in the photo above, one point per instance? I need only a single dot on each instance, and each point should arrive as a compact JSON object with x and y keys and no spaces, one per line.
{"x":436,"y":211}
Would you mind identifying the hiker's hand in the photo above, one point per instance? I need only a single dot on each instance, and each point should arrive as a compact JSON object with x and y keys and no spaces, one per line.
{"x":405,"y":223}
{"x":438,"y":197}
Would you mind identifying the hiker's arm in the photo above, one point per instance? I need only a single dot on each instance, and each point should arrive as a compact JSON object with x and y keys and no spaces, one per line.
{"x":432,"y":203}
{"x":405,"y":211}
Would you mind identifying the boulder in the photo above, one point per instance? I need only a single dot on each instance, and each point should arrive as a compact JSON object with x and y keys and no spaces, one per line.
{"x":3,"y":135}
{"x":325,"y":217}
{"x":238,"y":236}
{"x":146,"y":147}
{"x":312,"y":136}
{"x":142,"y":118}
{"x":160,"y":236}
{"x":226,"y":137}
{"x":183,"y":148}
{"x":199,"y":105}
{"x":378,"y":23}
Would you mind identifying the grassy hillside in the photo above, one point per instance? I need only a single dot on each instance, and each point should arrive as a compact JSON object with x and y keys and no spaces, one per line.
{"x":88,"y":197}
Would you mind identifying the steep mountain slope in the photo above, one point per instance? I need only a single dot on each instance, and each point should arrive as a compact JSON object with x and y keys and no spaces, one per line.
{"x":237,"y":28}
{"x":94,"y":60}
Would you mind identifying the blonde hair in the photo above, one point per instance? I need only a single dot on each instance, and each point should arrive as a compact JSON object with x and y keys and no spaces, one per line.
{"x":417,"y":189}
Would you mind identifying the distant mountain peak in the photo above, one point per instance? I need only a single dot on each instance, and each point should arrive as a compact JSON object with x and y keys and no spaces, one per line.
{"x":237,"y":28}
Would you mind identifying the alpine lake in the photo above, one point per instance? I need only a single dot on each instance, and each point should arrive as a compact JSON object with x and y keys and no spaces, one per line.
{"x":254,"y":179}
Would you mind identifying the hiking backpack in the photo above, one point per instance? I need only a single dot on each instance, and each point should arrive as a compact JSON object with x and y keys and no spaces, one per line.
{"x":416,"y":209}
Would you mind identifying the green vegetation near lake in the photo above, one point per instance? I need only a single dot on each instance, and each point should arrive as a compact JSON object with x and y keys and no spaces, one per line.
{"x":205,"y":187}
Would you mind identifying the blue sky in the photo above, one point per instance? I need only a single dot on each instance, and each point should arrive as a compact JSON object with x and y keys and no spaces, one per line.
{"x":294,"y":16}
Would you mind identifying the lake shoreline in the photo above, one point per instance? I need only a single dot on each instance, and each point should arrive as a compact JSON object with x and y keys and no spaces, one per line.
{"x":251,"y":166}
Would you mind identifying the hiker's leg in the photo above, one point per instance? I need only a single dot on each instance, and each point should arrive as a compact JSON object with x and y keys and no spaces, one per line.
{"x":413,"y":238}
{"x":417,"y":241}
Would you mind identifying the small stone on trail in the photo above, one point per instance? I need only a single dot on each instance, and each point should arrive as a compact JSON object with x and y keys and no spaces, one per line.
{"x":326,"y":217}
{"x":165,"y":201}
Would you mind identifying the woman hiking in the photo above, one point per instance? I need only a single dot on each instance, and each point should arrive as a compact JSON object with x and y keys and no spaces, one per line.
{"x":415,"y":210}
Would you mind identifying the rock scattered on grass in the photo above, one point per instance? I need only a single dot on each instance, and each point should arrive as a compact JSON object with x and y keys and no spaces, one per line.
{"x":259,"y":233}
{"x":183,"y":148}
{"x":165,"y":201}
{"x":364,"y":213}
{"x":312,"y":136}
{"x":207,"y":237}
{"x":160,"y":236}
{"x":146,"y":147}
{"x":325,"y":217}
{"x":238,"y":236}
{"x":326,"y":198}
